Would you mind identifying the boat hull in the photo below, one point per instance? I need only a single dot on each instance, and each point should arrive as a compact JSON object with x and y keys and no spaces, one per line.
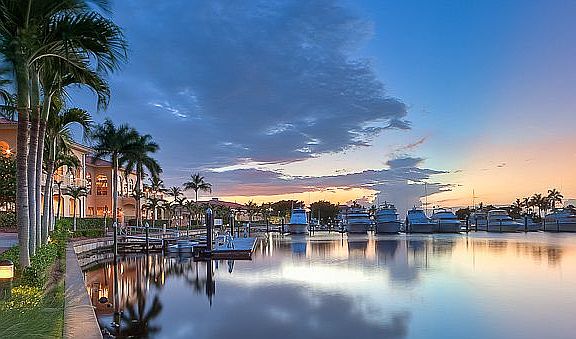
{"x":420,"y":228}
{"x":551,"y":226}
{"x":297,"y":228}
{"x":504,"y":227}
{"x":446,"y":227}
{"x":357,"y":227}
{"x":388,"y":227}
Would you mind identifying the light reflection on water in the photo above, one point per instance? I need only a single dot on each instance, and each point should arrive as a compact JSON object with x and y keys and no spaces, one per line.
{"x":441,"y":286}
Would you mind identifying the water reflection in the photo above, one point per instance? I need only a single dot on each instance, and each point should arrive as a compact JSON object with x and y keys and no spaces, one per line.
{"x":363,"y":286}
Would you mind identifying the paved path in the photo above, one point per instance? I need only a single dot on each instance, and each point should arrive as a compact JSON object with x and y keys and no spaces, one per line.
{"x":7,"y":240}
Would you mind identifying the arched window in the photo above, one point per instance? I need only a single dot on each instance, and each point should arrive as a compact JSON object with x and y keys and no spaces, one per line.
{"x":130,"y":186}
{"x":89,"y":183}
{"x":101,"y":185}
{"x":72,"y":202}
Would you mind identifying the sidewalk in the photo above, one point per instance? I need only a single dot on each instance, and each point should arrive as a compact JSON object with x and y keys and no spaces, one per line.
{"x":7,"y":240}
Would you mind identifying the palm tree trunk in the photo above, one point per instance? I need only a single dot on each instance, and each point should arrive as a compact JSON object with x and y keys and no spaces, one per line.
{"x":47,"y":200}
{"x":33,"y":204}
{"x":115,"y":203}
{"x":74,"y":227}
{"x":22,"y":210}
{"x":59,"y":200}
{"x":138,"y":208}
{"x":43,"y":227}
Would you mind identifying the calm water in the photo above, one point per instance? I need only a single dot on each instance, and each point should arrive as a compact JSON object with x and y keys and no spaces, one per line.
{"x":441,"y":286}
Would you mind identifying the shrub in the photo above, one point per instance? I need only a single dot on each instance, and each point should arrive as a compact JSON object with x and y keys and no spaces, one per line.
{"x":85,"y":227}
{"x":23,"y":298}
{"x":37,"y":273}
{"x":7,"y":219}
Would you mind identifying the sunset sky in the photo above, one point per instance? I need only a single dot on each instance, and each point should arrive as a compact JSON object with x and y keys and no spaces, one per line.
{"x":340,"y":100}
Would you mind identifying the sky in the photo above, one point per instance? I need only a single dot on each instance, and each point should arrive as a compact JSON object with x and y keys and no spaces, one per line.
{"x":354,"y":100}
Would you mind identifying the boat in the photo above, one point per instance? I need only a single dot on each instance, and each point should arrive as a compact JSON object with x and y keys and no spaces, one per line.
{"x":357,"y":220}
{"x":387,"y":219}
{"x":298,"y":222}
{"x":445,"y":221}
{"x":560,"y":220}
{"x":500,"y":221}
{"x":477,"y":220}
{"x":418,"y":222}
{"x":528,"y":224}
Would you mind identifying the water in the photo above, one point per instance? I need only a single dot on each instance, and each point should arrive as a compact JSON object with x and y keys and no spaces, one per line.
{"x":437,"y":286}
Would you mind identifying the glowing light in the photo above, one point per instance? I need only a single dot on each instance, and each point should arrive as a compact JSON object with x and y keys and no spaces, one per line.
{"x":6,"y":269}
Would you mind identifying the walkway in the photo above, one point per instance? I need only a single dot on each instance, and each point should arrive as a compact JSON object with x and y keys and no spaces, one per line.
{"x":8,"y":240}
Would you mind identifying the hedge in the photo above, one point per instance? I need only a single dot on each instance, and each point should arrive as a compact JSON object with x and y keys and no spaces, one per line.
{"x":85,"y":227}
{"x":7,"y":219}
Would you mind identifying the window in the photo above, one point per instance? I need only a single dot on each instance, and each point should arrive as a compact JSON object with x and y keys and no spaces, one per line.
{"x":90,"y":211}
{"x":101,"y":185}
{"x":89,"y":184}
{"x":120,"y":186}
{"x":130,"y":186}
{"x":102,"y":211}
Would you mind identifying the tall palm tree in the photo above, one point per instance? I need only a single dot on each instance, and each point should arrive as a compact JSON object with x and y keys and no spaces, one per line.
{"x":554,"y":196}
{"x":536,"y":201}
{"x":197,"y":183}
{"x":32,"y":32}
{"x":114,"y":142}
{"x":76,"y":192}
{"x":140,"y":160}
{"x":58,"y":138}
{"x":153,"y":204}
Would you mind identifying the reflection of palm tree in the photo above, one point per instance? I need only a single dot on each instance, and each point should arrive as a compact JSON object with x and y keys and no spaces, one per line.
{"x":136,"y":319}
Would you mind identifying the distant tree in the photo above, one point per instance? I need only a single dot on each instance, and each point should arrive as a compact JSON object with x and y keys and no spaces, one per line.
{"x":516,"y":209}
{"x":463,"y":213}
{"x":326,"y":209}
{"x":554,"y":197}
{"x":251,"y":209}
{"x":76,"y":192}
{"x":197,"y":183}
{"x":283,"y":208}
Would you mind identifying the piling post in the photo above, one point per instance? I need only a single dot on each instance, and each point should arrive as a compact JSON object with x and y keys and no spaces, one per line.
{"x":146,"y":227}
{"x":525,"y":223}
{"x":232,"y":224}
{"x":557,"y":225}
{"x":209,"y":226}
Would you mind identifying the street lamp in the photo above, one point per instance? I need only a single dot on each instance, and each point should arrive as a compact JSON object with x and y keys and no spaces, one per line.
{"x":6,"y":270}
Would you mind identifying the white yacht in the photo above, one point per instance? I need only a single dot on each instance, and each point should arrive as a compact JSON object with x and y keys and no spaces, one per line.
{"x":561,"y":220}
{"x":478,"y":221}
{"x":387,"y":219}
{"x":445,"y":221}
{"x":357,"y":220}
{"x":529,"y":224}
{"x":298,"y":222}
{"x":417,"y":222}
{"x":500,"y":221}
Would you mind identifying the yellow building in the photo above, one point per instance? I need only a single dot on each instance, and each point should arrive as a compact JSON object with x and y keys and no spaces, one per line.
{"x":95,"y":174}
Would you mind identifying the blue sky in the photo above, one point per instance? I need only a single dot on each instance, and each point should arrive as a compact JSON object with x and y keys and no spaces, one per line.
{"x":273,"y":94}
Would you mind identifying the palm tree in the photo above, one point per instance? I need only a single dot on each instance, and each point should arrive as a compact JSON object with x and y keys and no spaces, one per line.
{"x":138,"y":161}
{"x":251,"y":208}
{"x":115,"y":142}
{"x":58,"y":138}
{"x":76,"y":192}
{"x":153,"y":204}
{"x":554,"y":196}
{"x":157,"y":185}
{"x":8,"y":108}
{"x":536,"y":201}
{"x":197,"y":183}
{"x":31,"y":34}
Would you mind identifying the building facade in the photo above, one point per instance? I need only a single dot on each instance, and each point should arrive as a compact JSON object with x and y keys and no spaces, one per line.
{"x":94,"y":174}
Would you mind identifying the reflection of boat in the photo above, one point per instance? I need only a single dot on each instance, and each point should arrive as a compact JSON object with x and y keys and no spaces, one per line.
{"x":387,"y":219}
{"x":445,"y":221}
{"x":387,"y":247}
{"x":298,"y":222}
{"x":561,"y":220}
{"x":357,"y":220}
{"x":418,"y":222}
{"x":298,"y":244}
{"x":500,"y":221}
{"x":357,"y":246}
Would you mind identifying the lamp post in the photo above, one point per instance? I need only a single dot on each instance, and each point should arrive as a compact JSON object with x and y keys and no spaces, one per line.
{"x":6,"y":276}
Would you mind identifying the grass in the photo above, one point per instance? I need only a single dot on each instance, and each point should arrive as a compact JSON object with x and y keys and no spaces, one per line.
{"x":35,"y":308}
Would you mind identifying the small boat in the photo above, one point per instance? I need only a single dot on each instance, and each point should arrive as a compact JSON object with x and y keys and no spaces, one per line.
{"x":500,"y":221}
{"x":445,"y":221}
{"x":561,"y":220}
{"x":418,"y":222}
{"x":357,"y":220}
{"x":298,"y":222}
{"x":387,"y":219}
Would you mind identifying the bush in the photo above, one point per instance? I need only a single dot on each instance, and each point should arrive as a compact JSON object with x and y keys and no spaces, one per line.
{"x":85,"y":227}
{"x":23,"y":298}
{"x":7,"y":219}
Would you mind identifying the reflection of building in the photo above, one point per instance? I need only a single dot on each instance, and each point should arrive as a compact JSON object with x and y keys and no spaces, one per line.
{"x":95,"y":175}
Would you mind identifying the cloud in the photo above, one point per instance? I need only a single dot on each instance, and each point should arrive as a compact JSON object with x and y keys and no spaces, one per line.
{"x":402,"y":183}
{"x":267,"y":81}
